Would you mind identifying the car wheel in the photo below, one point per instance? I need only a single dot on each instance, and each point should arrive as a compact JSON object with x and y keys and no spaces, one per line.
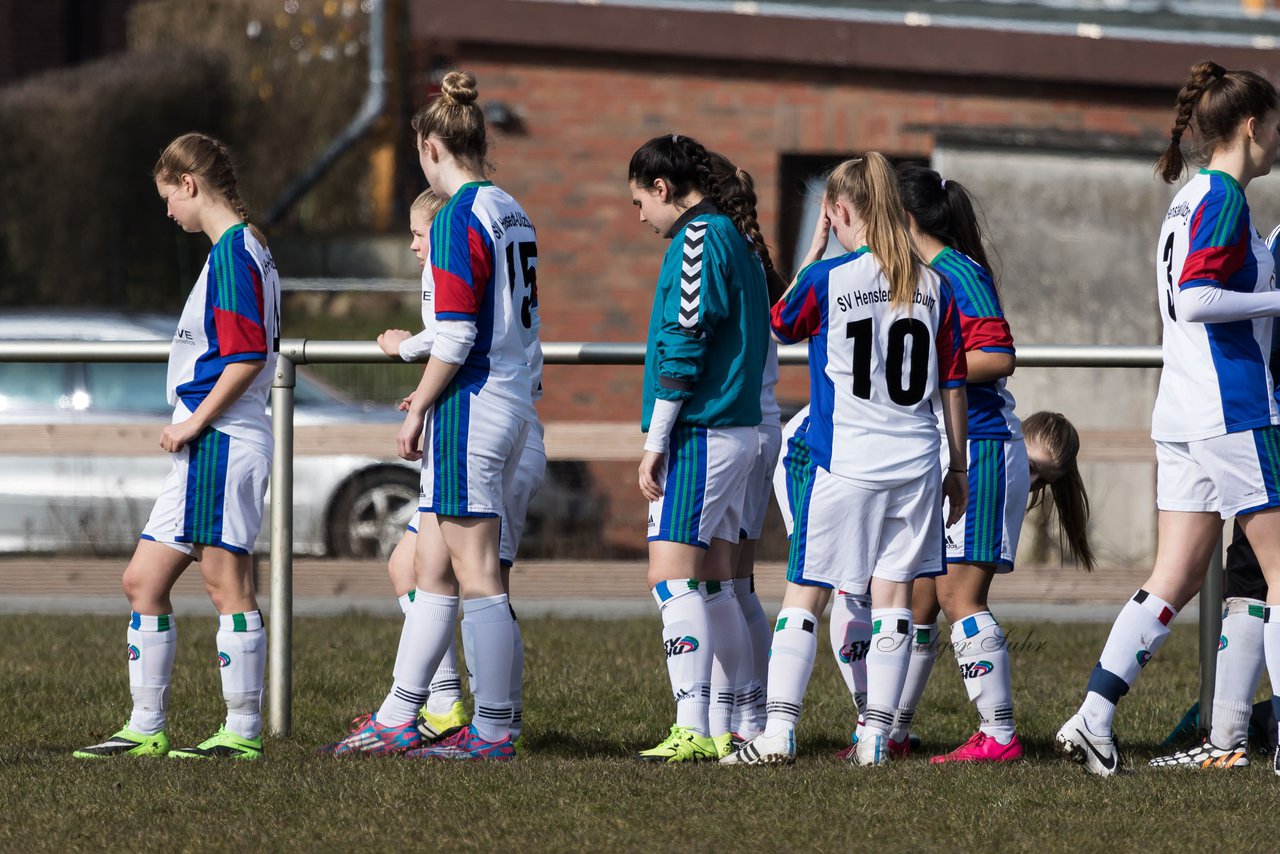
{"x":370,"y":513}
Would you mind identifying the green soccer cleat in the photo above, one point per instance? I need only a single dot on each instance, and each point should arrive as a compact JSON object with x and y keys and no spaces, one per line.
{"x":682,"y":745}
{"x":726,"y":743}
{"x":225,"y":745}
{"x":439,"y":727}
{"x":126,"y":742}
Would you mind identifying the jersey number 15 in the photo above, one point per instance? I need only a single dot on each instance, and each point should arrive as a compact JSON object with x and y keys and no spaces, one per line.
{"x":528,"y":268}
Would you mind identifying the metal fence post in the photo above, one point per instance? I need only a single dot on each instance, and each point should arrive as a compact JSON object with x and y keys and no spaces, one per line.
{"x":1210,"y":633}
{"x":280,"y":642}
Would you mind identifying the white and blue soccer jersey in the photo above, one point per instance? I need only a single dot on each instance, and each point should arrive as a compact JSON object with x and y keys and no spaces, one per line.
{"x":232,"y":315}
{"x":1216,"y":377}
{"x":873,"y":367}
{"x":484,"y":260}
{"x":982,"y":327}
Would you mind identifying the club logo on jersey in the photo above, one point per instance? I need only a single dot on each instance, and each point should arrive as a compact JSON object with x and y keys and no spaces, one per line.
{"x":134,"y":653}
{"x":224,"y":660}
{"x":975,"y":669}
{"x":1144,"y":655}
{"x":1222,"y":643}
{"x":679,"y":646}
{"x":854,"y":651}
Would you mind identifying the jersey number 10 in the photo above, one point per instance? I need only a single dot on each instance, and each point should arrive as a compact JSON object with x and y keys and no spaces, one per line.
{"x":862,"y":334}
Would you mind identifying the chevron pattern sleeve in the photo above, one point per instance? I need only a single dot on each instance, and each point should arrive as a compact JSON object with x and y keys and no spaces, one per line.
{"x":682,"y":336}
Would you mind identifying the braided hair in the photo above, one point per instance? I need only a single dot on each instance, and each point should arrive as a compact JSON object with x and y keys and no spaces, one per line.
{"x":209,"y":160}
{"x":1213,"y":102}
{"x":737,"y":200}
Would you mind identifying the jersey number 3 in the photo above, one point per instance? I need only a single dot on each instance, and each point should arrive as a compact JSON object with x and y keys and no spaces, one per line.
{"x":528,"y":268}
{"x":908,"y":393}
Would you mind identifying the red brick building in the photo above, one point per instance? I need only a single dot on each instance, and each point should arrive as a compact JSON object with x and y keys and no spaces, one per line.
{"x":782,"y":95}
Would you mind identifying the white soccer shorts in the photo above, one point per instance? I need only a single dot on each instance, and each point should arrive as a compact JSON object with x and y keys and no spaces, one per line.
{"x":471,"y":449}
{"x":755,"y":502}
{"x":214,"y":495}
{"x":704,"y":478}
{"x":1231,"y":475}
{"x":846,"y":533}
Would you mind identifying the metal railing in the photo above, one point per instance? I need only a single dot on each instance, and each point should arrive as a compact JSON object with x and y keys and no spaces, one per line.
{"x":302,"y":351}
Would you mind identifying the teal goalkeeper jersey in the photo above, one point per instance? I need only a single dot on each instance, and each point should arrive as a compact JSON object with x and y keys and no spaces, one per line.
{"x":709,"y":329}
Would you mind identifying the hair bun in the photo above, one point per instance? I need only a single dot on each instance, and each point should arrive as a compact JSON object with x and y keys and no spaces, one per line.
{"x":459,"y":87}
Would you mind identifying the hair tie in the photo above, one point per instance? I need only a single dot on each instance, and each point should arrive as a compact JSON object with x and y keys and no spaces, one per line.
{"x":1218,"y":72}
{"x":944,"y":183}
{"x":675,"y":137}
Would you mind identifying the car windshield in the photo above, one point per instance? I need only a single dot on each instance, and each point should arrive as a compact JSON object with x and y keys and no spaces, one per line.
{"x":28,"y":385}
{"x":127,"y":386}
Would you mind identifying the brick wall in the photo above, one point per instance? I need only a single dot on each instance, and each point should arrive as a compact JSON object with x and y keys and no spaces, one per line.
{"x":582,"y":121}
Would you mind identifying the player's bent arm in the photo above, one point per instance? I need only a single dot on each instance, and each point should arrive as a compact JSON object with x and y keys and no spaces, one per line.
{"x":986,"y":366}
{"x":235,"y":380}
{"x":1209,"y":303}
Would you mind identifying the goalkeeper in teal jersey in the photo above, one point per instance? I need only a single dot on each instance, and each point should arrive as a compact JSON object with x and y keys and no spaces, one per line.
{"x":708,"y":340}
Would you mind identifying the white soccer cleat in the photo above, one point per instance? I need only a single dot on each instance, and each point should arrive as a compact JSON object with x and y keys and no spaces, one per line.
{"x":871,"y":749}
{"x":765,"y":750}
{"x":1098,"y":754}
{"x":1206,"y":755}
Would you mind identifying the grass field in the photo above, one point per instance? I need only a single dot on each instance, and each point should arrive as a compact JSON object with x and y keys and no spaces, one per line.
{"x":596,"y":691}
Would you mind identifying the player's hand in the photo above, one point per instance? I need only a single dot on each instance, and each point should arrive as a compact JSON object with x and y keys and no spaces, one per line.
{"x":955,"y":486}
{"x":650,"y":465}
{"x":175,"y":437}
{"x":391,"y":340}
{"x":404,"y":405}
{"x":409,"y":436}
{"x":821,"y":234}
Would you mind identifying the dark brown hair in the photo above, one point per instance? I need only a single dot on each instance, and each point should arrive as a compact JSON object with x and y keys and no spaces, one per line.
{"x":1212,"y":103}
{"x":944,"y":210}
{"x":737,"y":200}
{"x":209,"y":161}
{"x":1059,"y":437}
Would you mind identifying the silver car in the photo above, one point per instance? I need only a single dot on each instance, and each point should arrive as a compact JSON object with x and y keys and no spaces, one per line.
{"x":98,"y":498}
{"x":96,"y":494}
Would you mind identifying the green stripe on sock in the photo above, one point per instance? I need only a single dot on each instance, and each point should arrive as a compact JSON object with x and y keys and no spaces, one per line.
{"x":239,"y":623}
{"x":1258,"y":611}
{"x":162,"y":622}
{"x":875,"y":627}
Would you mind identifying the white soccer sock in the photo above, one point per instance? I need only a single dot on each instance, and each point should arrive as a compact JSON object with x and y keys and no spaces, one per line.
{"x":1240,"y":662}
{"x":795,"y":646}
{"x":729,"y":634}
{"x":152,"y":642}
{"x":1271,"y":644}
{"x":924,"y":651}
{"x":753,"y":666}
{"x":242,"y":661}
{"x":405,"y":601}
{"x":983,"y":656}
{"x":850,"y":633}
{"x":1138,"y":632}
{"x":517,"y":678}
{"x":487,"y":630}
{"x":686,"y":637}
{"x":887,"y":662}
{"x":446,"y":684}
{"x":428,"y":631}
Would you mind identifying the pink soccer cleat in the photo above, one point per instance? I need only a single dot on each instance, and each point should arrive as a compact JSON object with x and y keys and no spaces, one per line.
{"x":368,"y":737}
{"x":982,"y":748}
{"x":466,"y":743}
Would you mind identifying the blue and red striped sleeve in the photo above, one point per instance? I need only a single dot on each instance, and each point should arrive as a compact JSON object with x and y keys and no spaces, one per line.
{"x":798,"y":315}
{"x":1219,"y":239}
{"x":953,"y":367}
{"x":461,"y":259}
{"x":237,"y":301}
{"x":982,"y":322}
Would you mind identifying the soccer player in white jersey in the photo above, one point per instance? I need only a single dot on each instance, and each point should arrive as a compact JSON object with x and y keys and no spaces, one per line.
{"x":444,"y":713}
{"x":210,"y":509}
{"x":1215,"y":419}
{"x":884,"y":338}
{"x":475,"y":404}
{"x":946,"y":232}
{"x":740,"y":662}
